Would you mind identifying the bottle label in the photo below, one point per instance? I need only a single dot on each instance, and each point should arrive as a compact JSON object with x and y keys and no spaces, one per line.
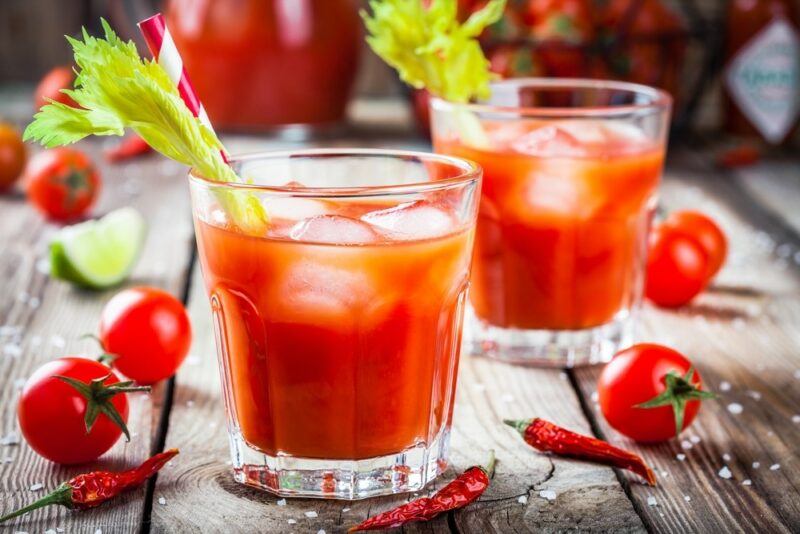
{"x":764,"y":79}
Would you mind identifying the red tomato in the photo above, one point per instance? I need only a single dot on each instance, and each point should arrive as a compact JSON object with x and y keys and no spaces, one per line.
{"x":639,"y":374}
{"x":12,"y":155}
{"x":706,"y":232}
{"x":62,"y":183}
{"x":147,"y":332}
{"x":51,"y":412}
{"x":677,"y":267}
{"x":50,"y":86}
{"x":514,"y":61}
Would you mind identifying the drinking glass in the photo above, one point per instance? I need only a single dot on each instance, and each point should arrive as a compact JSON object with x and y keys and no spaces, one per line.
{"x":571,"y":169}
{"x":338,"y":322}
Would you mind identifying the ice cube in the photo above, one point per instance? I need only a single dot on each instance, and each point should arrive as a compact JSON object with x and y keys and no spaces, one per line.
{"x":335,"y":229}
{"x":314,"y":290}
{"x":413,"y":220}
{"x":550,"y":140}
{"x":294,"y":208}
{"x":552,"y":191}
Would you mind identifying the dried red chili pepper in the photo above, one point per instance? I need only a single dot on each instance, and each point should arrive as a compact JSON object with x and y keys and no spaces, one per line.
{"x":464,"y":490}
{"x":548,"y":437}
{"x":93,"y":489}
{"x":738,"y":156}
{"x":130,"y":147}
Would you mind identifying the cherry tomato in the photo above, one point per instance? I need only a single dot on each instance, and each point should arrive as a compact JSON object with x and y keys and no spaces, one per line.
{"x":147,"y":332}
{"x":51,"y":412}
{"x":50,"y":86}
{"x":706,"y":232}
{"x":643,"y":373}
{"x":677,"y":267}
{"x":62,"y":183}
{"x":12,"y":155}
{"x":514,"y":61}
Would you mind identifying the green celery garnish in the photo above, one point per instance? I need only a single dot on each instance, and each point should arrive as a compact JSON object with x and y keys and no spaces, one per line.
{"x":117,"y":89}
{"x":430,"y":48}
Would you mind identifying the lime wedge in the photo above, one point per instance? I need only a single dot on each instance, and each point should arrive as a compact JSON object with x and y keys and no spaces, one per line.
{"x":99,"y":253}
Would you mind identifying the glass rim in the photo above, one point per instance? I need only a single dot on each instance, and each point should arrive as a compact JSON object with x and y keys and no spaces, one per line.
{"x":661,"y":100}
{"x":470,"y":172}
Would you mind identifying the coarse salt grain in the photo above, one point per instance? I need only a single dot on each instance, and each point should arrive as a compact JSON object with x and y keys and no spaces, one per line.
{"x":735,"y":408}
{"x":550,"y":495}
{"x":595,"y":396}
{"x":37,"y":486}
{"x":685,"y":445}
{"x":664,"y":474}
{"x":60,"y":529}
{"x":310,"y":515}
{"x":725,"y":472}
{"x":724,"y":386}
{"x":796,"y":418}
{"x":726,"y":457}
{"x":680,"y":457}
{"x":747,"y":482}
{"x":12,"y":350}
{"x":98,"y":531}
{"x":774,"y":467}
{"x":755,"y":395}
{"x":50,"y":531}
{"x":320,"y":531}
{"x":756,"y":465}
{"x":694,"y":439}
{"x":281,"y":502}
{"x":522,"y":499}
{"x":43,"y":266}
{"x":345,"y":509}
{"x":687,"y":498}
{"x":291,"y":521}
{"x":651,"y":501}
{"x":10,"y":439}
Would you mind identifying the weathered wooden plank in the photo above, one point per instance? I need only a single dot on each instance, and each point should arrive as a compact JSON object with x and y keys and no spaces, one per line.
{"x":51,"y":317}
{"x":487,"y":392}
{"x":743,"y":335}
{"x":589,"y":497}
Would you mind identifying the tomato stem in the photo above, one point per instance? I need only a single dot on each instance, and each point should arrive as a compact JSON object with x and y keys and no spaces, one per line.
{"x":98,"y":399}
{"x":678,"y":392}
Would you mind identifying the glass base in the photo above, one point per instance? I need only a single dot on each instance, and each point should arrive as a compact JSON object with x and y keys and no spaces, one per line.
{"x":288,"y":476}
{"x":550,"y":348}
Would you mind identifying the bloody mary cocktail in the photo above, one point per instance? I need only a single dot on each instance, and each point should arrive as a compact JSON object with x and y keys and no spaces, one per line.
{"x":571,"y":170}
{"x":339,"y":327}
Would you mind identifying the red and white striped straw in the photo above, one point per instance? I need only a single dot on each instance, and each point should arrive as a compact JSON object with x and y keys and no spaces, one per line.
{"x":162,"y":47}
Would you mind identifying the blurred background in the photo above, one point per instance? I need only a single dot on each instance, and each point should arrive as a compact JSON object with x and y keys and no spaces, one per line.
{"x":731,"y":65}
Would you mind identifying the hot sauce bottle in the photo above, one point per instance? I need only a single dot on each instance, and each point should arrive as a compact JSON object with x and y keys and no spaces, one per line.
{"x":761,"y":79}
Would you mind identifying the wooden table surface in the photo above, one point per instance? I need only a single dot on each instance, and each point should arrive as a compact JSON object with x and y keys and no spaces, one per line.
{"x":743,"y":333}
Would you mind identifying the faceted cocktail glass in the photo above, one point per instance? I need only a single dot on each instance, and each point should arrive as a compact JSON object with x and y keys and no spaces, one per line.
{"x":338,"y":326}
{"x":571,"y":169}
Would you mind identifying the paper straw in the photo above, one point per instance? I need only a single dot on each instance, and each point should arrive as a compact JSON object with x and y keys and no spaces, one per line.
{"x":162,"y":47}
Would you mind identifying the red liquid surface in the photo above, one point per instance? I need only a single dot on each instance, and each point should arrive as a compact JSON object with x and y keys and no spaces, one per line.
{"x":337,"y":351}
{"x":562,"y":225}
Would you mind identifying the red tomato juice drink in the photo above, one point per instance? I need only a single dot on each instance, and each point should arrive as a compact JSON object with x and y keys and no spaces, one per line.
{"x":339,"y":325}
{"x":571,"y":171}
